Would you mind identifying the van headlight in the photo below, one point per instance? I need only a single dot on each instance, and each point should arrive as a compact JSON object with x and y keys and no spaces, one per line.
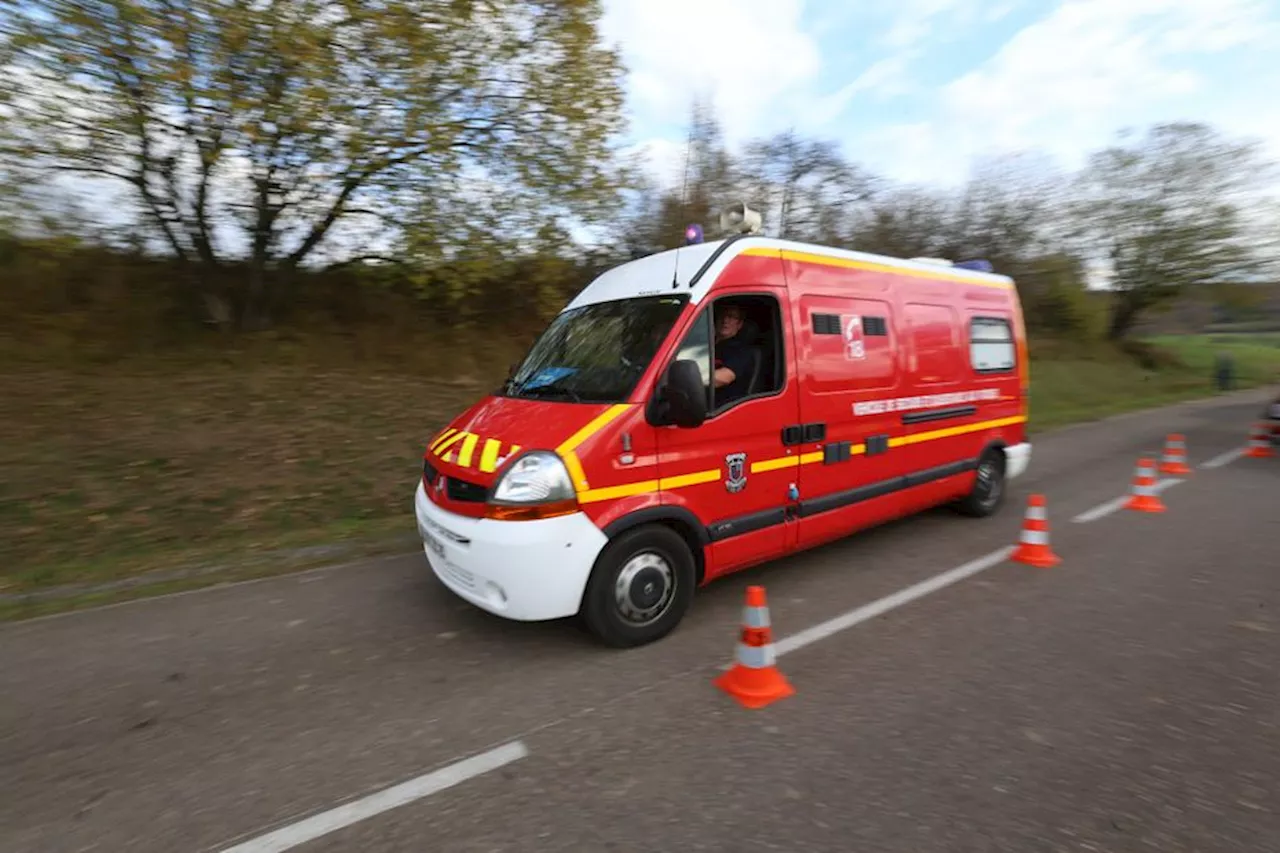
{"x":537,"y":485}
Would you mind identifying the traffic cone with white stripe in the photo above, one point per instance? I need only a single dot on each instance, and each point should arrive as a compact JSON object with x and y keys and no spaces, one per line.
{"x":1174,"y":461}
{"x":754,"y":679}
{"x":1033,"y":545}
{"x":1259,"y":445}
{"x":1144,"y":497}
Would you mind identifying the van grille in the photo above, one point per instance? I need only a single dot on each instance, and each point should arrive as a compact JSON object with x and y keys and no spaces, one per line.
{"x":457,"y":490}
{"x":461,"y":490}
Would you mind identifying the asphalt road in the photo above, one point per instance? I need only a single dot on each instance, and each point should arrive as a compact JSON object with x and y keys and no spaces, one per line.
{"x":1127,"y":699}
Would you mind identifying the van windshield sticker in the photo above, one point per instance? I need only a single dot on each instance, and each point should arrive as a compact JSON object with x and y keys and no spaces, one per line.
{"x":907,"y":404}
{"x":547,"y":376}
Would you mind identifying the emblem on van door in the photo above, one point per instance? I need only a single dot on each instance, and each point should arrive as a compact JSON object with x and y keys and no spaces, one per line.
{"x":737,"y":465}
{"x":854,"y":347}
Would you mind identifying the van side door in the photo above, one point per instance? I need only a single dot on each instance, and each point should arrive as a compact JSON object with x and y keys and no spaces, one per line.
{"x":850,"y":370}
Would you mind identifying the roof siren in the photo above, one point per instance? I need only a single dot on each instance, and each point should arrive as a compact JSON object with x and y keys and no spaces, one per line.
{"x":740,"y":219}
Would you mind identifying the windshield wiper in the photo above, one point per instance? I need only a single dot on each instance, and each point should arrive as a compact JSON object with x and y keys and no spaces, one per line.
{"x":546,"y":391}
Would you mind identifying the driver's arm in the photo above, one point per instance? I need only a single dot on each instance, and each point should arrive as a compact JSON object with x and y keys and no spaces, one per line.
{"x":734,"y":362}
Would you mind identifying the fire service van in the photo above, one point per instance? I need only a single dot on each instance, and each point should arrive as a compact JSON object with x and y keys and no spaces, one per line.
{"x":709,"y":408}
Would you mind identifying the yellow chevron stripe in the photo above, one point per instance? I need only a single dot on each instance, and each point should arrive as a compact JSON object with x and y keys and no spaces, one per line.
{"x":596,"y":424}
{"x":440,"y":448}
{"x":468,"y":449}
{"x":441,"y":437}
{"x":489,"y":456}
{"x":579,"y":477}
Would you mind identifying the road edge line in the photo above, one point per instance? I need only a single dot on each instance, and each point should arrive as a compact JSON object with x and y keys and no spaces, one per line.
{"x":1224,"y":459}
{"x":890,"y":602}
{"x":1102,"y":510}
{"x":308,"y":829}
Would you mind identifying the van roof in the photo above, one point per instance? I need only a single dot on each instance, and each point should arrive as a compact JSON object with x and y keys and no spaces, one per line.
{"x":653,"y":275}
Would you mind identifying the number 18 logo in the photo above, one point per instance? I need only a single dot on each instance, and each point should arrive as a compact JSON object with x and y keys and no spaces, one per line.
{"x":854,"y":348}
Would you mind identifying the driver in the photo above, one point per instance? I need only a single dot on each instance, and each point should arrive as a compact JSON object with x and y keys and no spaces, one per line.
{"x":733,"y":357}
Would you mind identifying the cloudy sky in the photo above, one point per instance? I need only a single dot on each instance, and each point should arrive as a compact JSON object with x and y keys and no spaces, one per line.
{"x":915,"y":89}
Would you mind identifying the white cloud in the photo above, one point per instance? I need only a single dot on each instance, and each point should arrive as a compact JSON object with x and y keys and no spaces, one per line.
{"x":884,"y":78}
{"x":917,"y":21}
{"x":745,"y":56}
{"x":1065,"y":83}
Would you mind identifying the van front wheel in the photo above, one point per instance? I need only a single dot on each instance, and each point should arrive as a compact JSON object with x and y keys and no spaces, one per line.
{"x":640,"y":588}
{"x":988,"y":487}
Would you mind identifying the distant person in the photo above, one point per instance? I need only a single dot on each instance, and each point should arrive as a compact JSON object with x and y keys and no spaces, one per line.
{"x":733,"y":356}
{"x":1225,"y":372}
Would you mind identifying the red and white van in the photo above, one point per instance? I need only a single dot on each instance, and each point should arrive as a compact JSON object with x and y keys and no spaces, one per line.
{"x":605,"y":480}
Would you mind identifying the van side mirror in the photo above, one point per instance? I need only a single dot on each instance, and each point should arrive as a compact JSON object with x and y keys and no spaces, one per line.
{"x":682,"y":400}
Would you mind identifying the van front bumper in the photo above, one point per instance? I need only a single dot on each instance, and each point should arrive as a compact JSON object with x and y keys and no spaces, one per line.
{"x":1018,"y":459}
{"x":523,"y":570}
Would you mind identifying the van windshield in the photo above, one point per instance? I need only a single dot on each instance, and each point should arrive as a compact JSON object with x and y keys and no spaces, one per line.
{"x":596,"y":353}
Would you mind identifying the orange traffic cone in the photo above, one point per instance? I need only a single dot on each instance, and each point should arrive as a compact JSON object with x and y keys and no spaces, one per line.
{"x":1033,"y":545}
{"x":1144,"y":497}
{"x":1175,"y":456}
{"x":1259,"y":445}
{"x":754,"y":679}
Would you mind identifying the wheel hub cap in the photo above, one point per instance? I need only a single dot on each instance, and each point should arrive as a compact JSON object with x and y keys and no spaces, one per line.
{"x":644,"y":588}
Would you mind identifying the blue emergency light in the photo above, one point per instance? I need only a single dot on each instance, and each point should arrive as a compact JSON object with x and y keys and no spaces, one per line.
{"x":693,"y":234}
{"x":977,"y":265}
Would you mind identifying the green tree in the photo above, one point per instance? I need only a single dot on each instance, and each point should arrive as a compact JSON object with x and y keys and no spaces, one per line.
{"x":1170,"y":211}
{"x":269,"y":133}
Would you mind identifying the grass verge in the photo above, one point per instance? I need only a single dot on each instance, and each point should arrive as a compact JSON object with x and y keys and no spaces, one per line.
{"x":149,"y":477}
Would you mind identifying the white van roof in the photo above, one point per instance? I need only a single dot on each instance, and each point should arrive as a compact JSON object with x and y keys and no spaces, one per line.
{"x":653,"y":275}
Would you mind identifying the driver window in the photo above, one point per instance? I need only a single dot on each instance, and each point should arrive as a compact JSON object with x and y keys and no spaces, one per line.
{"x":748,"y":350}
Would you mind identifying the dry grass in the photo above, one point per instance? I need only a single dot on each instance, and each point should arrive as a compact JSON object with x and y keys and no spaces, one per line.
{"x":122,"y":470}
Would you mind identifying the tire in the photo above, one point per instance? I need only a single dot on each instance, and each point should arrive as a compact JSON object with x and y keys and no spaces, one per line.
{"x":662,"y":577}
{"x":989,"y":487}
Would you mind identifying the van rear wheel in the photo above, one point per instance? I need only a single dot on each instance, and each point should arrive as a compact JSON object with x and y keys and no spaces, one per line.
{"x":641,"y":587}
{"x":988,"y":490}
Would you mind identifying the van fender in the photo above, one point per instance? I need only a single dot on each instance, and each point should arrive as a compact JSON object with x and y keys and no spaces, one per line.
{"x":994,"y":444}
{"x":678,"y":518}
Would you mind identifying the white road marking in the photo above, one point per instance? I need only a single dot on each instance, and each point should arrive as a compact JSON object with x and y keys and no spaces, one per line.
{"x":309,"y":829}
{"x":1224,"y":459}
{"x":904,"y":596}
{"x":1103,"y":510}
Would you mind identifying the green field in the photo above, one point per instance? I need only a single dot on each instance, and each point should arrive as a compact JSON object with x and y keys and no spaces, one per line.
{"x":1074,"y":387}
{"x":215,"y":465}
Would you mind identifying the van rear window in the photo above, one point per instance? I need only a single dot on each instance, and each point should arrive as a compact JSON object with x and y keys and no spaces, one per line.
{"x":991,"y":346}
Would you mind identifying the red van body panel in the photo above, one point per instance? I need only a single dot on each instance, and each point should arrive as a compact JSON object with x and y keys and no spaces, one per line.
{"x":880,"y":404}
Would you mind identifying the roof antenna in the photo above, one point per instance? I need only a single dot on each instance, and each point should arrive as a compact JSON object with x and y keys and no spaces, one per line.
{"x":692,"y":233}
